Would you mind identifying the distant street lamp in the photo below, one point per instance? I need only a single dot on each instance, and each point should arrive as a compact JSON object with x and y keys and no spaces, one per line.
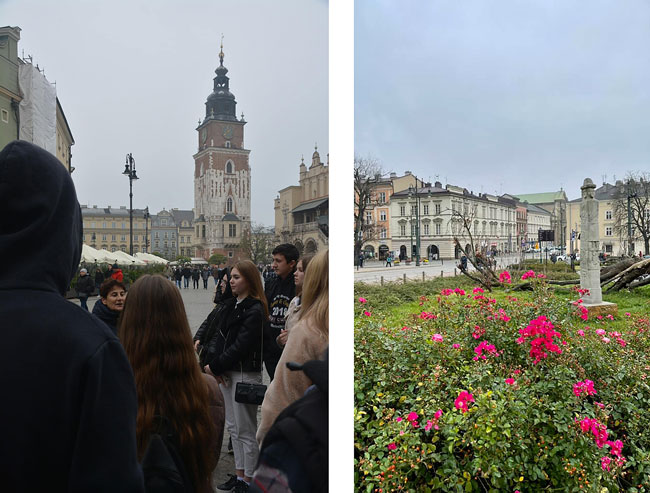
{"x":129,"y":170}
{"x":413,"y":191}
{"x":630,"y":195}
{"x":146,"y":229}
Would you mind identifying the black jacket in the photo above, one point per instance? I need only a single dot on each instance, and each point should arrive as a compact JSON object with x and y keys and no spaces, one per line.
{"x":207,"y":332}
{"x":85,"y":285}
{"x":279,"y":293}
{"x":196,"y":274}
{"x":238,"y":341}
{"x":68,"y":417}
{"x":106,"y":315}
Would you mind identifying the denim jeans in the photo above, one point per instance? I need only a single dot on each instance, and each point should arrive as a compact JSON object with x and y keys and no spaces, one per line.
{"x":84,"y":302}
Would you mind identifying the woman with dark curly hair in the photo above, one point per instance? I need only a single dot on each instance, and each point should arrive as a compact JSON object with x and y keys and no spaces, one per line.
{"x":170,"y":386}
{"x":238,"y":358}
{"x":109,"y":306}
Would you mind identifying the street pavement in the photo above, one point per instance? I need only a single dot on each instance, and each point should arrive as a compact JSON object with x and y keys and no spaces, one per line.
{"x":373,"y":271}
{"x":198,"y":304}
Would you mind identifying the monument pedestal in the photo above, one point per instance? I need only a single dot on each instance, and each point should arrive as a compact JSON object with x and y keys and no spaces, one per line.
{"x":603,"y":308}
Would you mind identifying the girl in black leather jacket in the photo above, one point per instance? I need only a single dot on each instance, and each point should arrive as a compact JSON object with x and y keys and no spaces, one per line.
{"x":237,"y":357}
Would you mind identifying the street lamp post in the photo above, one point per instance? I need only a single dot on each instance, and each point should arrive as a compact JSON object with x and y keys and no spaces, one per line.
{"x":630,"y":195}
{"x":129,"y":170}
{"x":417,"y":223}
{"x":146,"y":229}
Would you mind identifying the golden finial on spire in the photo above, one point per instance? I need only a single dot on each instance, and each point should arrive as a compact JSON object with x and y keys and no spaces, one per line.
{"x":221,"y":52}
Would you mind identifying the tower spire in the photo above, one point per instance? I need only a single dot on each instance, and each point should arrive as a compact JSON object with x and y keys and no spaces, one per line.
{"x":221,"y":55}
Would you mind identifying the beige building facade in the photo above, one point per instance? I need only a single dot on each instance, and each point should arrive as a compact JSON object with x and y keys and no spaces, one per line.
{"x":493,"y":222}
{"x":302,"y":211}
{"x":108,"y":228}
{"x":612,"y":242}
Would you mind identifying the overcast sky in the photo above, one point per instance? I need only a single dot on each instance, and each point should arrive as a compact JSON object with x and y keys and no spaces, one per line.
{"x":133,"y":76}
{"x":507,"y":96}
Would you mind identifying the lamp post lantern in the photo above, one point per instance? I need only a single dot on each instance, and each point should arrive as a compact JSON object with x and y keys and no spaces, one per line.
{"x":129,"y":170}
{"x":146,"y":229}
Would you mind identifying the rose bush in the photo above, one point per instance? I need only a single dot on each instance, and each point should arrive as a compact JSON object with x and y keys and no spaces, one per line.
{"x":494,"y":392}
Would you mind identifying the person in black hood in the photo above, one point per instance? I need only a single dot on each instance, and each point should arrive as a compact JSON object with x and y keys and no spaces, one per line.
{"x":68,"y":421}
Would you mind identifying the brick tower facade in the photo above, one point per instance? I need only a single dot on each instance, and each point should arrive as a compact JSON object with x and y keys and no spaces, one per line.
{"x":222,"y":179}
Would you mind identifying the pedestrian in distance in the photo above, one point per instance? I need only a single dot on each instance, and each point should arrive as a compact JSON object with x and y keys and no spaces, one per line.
{"x":108,"y":308}
{"x":279,"y":291}
{"x":187,"y":273}
{"x":172,"y":391}
{"x":85,"y":288}
{"x":389,"y":260}
{"x":68,"y":422}
{"x":178,"y":276}
{"x":307,"y":340}
{"x":238,"y":358}
{"x":205,"y":275}
{"x":294,"y":307}
{"x":116,"y":273}
{"x":196,"y":275}
{"x":99,"y":278}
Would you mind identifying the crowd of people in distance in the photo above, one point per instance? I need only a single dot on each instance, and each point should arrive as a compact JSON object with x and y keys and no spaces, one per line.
{"x":186,"y":272}
{"x":131,"y":400}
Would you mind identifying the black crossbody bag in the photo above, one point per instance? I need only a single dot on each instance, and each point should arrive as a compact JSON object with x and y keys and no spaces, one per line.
{"x":251,"y":393}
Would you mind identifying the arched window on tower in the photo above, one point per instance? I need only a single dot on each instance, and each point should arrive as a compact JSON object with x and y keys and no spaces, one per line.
{"x":229,"y":167}
{"x":229,"y":205}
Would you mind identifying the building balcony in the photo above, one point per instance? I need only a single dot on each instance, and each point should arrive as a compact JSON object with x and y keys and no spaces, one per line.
{"x":305,"y":227}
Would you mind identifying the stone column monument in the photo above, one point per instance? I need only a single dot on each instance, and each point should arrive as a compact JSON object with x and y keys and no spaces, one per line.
{"x":589,"y":249}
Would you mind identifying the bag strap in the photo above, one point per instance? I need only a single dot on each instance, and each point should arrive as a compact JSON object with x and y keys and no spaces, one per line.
{"x":241,"y":365}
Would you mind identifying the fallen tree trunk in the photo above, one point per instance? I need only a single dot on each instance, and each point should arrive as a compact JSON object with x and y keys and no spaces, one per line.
{"x":628,"y":276}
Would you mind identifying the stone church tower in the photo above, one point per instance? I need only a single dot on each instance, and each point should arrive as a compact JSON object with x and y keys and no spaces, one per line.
{"x":222,"y":179}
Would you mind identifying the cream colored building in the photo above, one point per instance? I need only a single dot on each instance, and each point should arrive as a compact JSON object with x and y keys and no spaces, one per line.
{"x":611,"y":242}
{"x":108,"y":228}
{"x":493,"y":222}
{"x":301,"y":212}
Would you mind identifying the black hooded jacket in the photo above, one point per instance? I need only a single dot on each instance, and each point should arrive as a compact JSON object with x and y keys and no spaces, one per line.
{"x":237,"y":343}
{"x":68,"y":415}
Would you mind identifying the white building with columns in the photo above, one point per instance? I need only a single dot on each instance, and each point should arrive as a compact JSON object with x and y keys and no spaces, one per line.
{"x":440,"y":212}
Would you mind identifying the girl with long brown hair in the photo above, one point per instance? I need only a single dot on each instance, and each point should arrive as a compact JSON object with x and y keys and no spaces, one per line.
{"x":170,"y":386}
{"x":238,"y":358}
{"x":307,"y":341}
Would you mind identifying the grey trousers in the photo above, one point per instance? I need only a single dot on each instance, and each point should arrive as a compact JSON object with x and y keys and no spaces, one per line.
{"x":241,"y":422}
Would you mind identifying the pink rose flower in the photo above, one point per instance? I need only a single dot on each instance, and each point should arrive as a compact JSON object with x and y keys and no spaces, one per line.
{"x":362,"y":300}
{"x":392,"y":446}
{"x":510,"y":381}
{"x":437,"y":338}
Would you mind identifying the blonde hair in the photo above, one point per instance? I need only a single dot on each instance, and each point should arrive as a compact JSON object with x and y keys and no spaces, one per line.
{"x":315,"y":292}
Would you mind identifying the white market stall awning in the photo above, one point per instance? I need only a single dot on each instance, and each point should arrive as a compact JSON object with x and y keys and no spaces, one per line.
{"x":150,"y":259}
{"x":90,"y":255}
{"x":120,"y":258}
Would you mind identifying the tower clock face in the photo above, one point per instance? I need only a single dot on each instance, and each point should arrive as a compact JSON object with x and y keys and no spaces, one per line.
{"x":227,"y":131}
{"x":204,"y":135}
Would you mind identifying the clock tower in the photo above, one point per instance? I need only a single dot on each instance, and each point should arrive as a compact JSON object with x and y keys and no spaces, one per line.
{"x":222,"y":181}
